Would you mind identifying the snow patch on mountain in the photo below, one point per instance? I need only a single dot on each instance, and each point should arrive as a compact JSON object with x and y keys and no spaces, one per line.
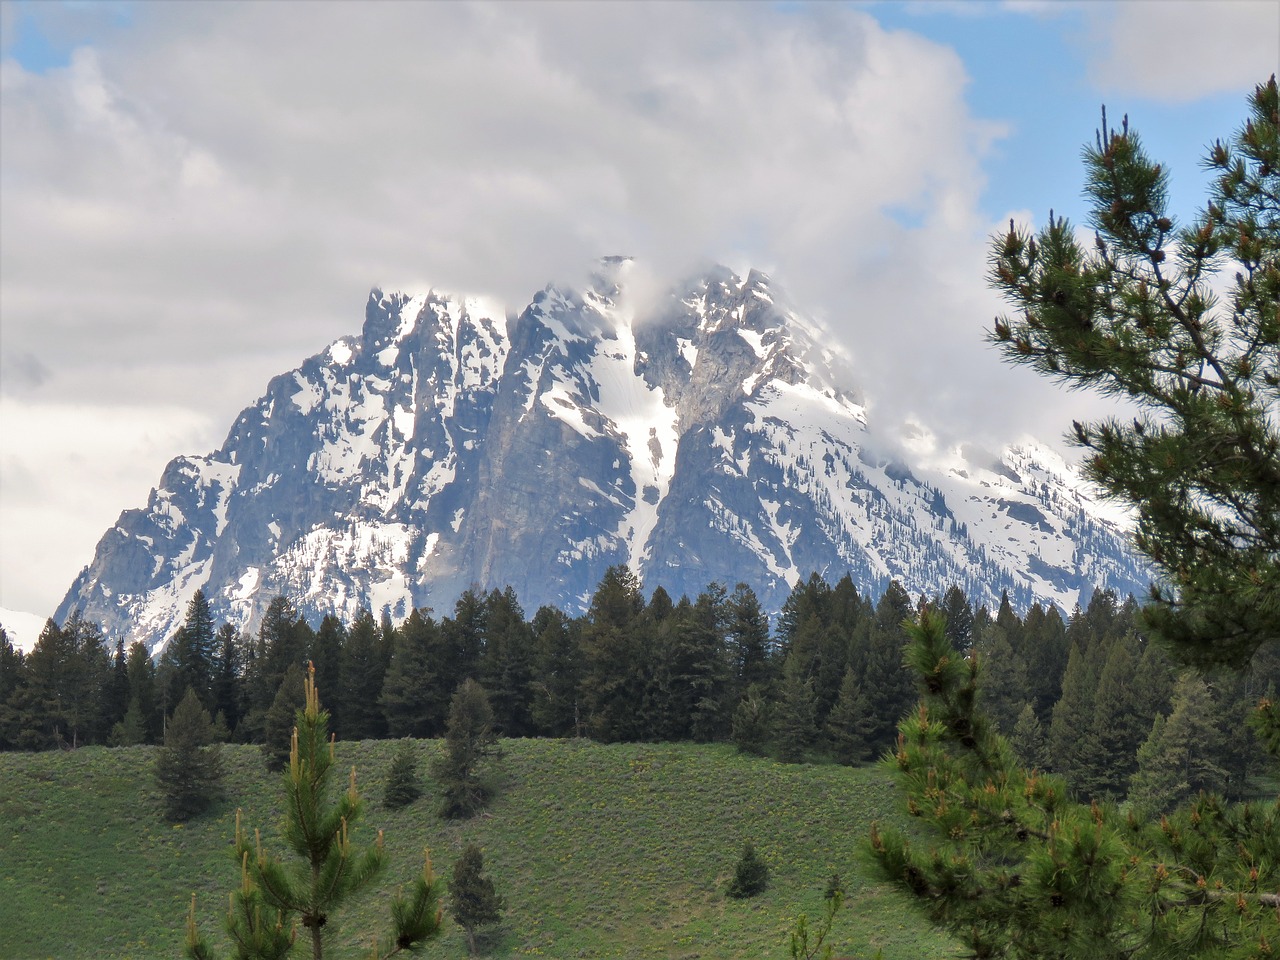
{"x":708,"y":433}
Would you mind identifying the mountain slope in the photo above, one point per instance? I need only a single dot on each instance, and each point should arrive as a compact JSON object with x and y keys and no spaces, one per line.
{"x":706,"y":437}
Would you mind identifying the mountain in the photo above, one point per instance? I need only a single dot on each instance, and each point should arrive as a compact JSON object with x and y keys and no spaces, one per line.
{"x":705,"y":435}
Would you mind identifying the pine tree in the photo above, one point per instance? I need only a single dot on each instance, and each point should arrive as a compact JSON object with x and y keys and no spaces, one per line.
{"x":1005,"y":684}
{"x":1121,"y":722}
{"x":473,"y":901}
{"x":60,"y":702}
{"x":886,"y":684}
{"x":228,"y":675}
{"x":1138,"y":317}
{"x":188,"y":659}
{"x":189,"y":765}
{"x":468,"y":740}
{"x":750,"y":875}
{"x":1014,"y":869}
{"x":748,"y":640}
{"x":795,"y":723}
{"x":617,"y":657}
{"x":506,"y":665}
{"x":1028,"y":740}
{"x":326,"y":869}
{"x":12,"y":676}
{"x":407,"y":687}
{"x":557,"y":670}
{"x":847,"y":743}
{"x":1070,"y":753}
{"x":279,"y":720}
{"x":753,"y":721}
{"x":360,"y":674}
{"x":1180,"y":757}
{"x":403,"y":784}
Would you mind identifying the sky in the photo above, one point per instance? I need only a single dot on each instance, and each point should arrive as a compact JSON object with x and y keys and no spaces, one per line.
{"x":195,"y":197}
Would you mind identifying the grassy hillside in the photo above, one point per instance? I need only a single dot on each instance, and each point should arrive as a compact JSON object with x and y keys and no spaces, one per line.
{"x":601,"y":851}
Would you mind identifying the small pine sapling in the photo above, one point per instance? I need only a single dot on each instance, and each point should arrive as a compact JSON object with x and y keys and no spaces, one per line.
{"x":750,"y":876}
{"x":403,"y":785}
{"x":276,"y":895}
{"x":473,"y":901}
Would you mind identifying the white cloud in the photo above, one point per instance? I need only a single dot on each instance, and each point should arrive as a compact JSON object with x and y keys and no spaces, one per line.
{"x":66,"y":472}
{"x":200,"y":201}
{"x":1181,"y":50}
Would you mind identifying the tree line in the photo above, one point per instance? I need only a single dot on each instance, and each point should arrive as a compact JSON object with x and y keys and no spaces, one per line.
{"x":1086,"y":695}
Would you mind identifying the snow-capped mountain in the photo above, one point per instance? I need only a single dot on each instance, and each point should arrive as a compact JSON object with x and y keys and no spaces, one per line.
{"x":707,"y":438}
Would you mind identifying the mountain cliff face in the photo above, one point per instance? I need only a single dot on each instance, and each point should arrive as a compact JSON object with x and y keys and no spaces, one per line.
{"x":706,"y":439}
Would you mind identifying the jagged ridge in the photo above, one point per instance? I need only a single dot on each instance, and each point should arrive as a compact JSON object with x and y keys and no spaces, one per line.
{"x":710,"y":438}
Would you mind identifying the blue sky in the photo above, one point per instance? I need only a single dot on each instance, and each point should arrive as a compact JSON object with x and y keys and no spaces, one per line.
{"x":198,"y":195}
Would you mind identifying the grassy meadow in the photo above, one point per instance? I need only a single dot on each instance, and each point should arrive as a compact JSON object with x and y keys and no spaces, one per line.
{"x":602,"y":851}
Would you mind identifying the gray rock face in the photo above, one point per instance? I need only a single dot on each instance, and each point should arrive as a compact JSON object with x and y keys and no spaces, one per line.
{"x":708,"y":439}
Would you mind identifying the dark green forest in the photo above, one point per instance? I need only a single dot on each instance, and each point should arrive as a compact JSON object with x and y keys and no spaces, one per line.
{"x":1085,"y":695}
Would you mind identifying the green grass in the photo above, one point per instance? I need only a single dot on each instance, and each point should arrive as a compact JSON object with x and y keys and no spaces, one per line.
{"x":618,"y":851}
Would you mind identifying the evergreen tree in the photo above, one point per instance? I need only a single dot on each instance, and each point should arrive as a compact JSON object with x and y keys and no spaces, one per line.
{"x":130,"y":730}
{"x":843,"y":722}
{"x":326,"y":656}
{"x":886,"y":684}
{"x":1179,"y":758}
{"x":747,"y":637}
{"x":1005,"y":685}
{"x":506,"y":667}
{"x":407,"y":687}
{"x":403,"y":785}
{"x":115,"y":694}
{"x":228,"y":675}
{"x":188,"y":659}
{"x":464,"y":641}
{"x":955,"y":607}
{"x":280,"y":643}
{"x":1070,"y":754}
{"x":189,"y":765}
{"x":557,"y":671}
{"x":1137,"y":316}
{"x":468,"y":739}
{"x":473,"y":901}
{"x":326,"y":868}
{"x":1028,"y":740}
{"x":143,"y":693}
{"x":617,"y":661}
{"x":360,"y":675}
{"x":753,"y":721}
{"x":750,"y":875}
{"x":1045,"y":648}
{"x":1121,"y":722}
{"x":12,"y":676}
{"x":60,"y":704}
{"x":279,"y":720}
{"x":795,"y":724}
{"x":1014,"y":869}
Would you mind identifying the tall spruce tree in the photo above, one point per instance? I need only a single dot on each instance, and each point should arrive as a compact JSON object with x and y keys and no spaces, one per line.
{"x":188,"y":659}
{"x":406,"y":689}
{"x":361,"y":671}
{"x":557,"y":670}
{"x":1182,"y":753}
